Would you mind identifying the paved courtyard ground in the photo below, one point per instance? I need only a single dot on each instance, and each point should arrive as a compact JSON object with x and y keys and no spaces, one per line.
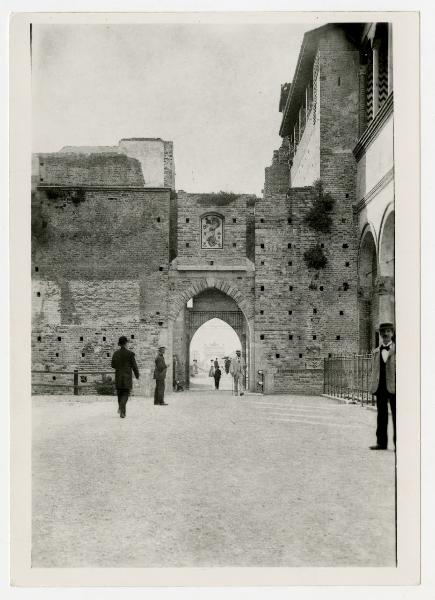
{"x":203,"y":382}
{"x":210,"y":480}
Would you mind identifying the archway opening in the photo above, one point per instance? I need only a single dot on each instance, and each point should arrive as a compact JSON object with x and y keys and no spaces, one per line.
{"x":213,"y":341}
{"x":386,"y":248}
{"x":209,"y":302}
{"x":386,"y":268}
{"x":367,"y":298}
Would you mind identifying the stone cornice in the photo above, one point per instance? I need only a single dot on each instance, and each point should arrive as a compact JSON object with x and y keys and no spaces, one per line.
{"x":215,"y":268}
{"x":383,"y":182}
{"x":374,"y":128}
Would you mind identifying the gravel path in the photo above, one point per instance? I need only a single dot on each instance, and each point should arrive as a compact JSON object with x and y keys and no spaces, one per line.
{"x":210,"y":480}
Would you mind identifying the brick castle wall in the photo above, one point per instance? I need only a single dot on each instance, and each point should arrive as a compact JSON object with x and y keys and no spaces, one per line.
{"x":197,"y":268}
{"x":302,"y":315}
{"x":236,"y":212}
{"x":99,"y":270}
{"x":87,"y":348}
{"x":101,"y":258}
{"x":101,"y":234}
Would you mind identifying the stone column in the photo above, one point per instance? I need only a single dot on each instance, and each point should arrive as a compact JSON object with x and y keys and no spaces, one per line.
{"x":188,"y":334}
{"x":299,"y":126}
{"x":368,"y":301}
{"x":252,"y":365}
{"x":375,"y":55}
{"x":390,"y":58}
{"x":242,"y":336}
{"x":385,"y":292}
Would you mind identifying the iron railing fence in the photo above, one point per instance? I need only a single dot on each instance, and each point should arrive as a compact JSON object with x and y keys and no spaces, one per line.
{"x":78,"y":381}
{"x":348,"y":377}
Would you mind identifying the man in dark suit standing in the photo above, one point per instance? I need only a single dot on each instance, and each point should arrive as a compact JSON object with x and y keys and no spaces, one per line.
{"x":124,"y":363}
{"x":383,"y":384}
{"x":159,"y":376}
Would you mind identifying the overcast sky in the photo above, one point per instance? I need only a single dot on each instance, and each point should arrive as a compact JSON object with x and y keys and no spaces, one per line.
{"x":211,"y":89}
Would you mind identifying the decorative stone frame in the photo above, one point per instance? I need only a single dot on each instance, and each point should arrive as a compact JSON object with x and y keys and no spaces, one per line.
{"x":222,"y":224}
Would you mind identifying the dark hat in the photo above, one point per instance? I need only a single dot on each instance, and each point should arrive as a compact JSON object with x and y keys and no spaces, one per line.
{"x":386,"y":325}
{"x":122,"y":340}
{"x":162,"y":347}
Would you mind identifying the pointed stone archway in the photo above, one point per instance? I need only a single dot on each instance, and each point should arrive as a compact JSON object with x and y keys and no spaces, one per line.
{"x":179,"y":299}
{"x":367,"y":293}
{"x":386,"y":267}
{"x":211,"y":299}
{"x":234,"y":318}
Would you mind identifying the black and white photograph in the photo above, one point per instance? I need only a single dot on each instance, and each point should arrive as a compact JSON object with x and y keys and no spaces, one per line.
{"x":214,"y":316}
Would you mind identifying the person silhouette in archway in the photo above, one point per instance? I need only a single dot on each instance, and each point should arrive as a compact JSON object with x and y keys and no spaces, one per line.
{"x":211,"y":370}
{"x":217,"y":375}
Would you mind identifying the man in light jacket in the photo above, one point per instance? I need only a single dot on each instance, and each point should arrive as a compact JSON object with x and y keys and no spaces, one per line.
{"x":383,"y":384}
{"x":237,"y":370}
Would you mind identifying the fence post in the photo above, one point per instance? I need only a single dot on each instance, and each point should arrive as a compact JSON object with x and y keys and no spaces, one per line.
{"x":335,"y":376}
{"x":76,"y":382}
{"x":354,"y":377}
{"x":367,"y":381}
{"x":324,"y":375}
{"x":340,"y":378}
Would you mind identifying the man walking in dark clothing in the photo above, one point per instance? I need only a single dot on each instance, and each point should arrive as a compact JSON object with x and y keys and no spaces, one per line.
{"x":159,"y":376}
{"x":383,"y":384}
{"x":217,"y":376}
{"x":124,"y":363}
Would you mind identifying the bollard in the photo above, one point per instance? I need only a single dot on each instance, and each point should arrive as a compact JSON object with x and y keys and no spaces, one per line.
{"x":260,"y":382}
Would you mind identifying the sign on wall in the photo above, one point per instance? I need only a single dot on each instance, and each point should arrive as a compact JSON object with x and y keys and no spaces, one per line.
{"x":212,"y":232}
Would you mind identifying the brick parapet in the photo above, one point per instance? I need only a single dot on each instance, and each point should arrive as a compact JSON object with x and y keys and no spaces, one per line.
{"x":168,"y":165}
{"x":76,"y":169}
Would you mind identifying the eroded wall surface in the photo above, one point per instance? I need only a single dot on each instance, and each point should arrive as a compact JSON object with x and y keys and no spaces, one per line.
{"x":99,"y":270}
